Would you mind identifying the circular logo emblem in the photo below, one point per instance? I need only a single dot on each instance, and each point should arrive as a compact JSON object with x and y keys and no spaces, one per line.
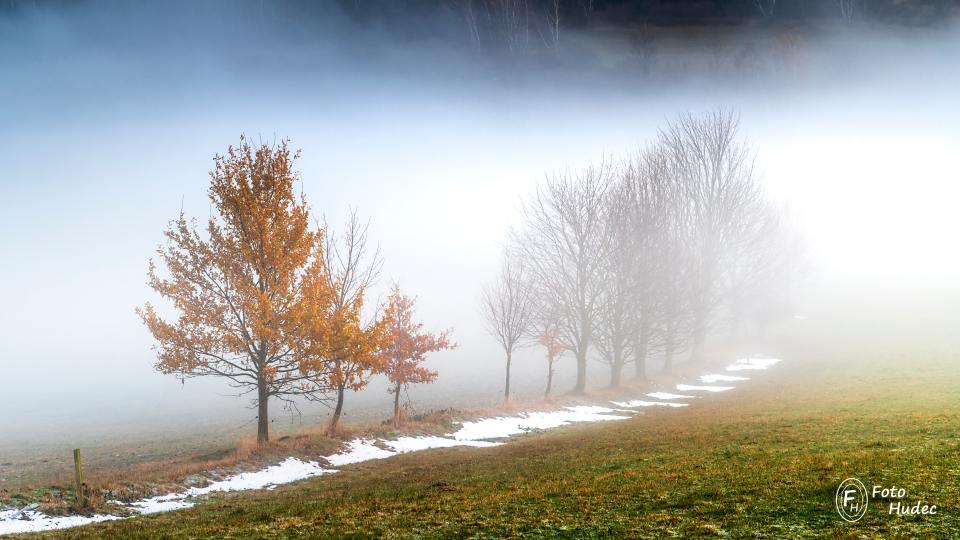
{"x":852,"y":500}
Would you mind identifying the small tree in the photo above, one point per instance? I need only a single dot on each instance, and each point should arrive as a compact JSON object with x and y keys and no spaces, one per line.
{"x":406,"y":347}
{"x":507,"y":309}
{"x":245,"y":291}
{"x":546,"y":331}
{"x":351,"y":350}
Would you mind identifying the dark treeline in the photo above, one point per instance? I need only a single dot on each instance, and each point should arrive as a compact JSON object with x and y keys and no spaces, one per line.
{"x":608,"y":42}
{"x":421,"y":17}
{"x":646,"y":256}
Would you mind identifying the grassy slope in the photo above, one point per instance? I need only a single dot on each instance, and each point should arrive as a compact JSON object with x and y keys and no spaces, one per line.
{"x":763,"y":461}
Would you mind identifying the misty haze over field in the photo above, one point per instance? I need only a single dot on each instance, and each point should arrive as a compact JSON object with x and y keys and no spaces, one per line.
{"x":112,"y":113}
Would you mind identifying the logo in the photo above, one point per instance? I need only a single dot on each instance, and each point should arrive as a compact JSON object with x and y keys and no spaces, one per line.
{"x":852,"y":499}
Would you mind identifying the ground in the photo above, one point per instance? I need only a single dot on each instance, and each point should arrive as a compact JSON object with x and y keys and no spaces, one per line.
{"x":759,"y":462}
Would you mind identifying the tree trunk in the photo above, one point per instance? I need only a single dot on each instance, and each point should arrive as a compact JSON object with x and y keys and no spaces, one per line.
{"x":396,"y":405}
{"x":263,"y":417}
{"x":616,"y":368}
{"x":640,"y":357}
{"x":581,"y":386}
{"x":668,"y":348}
{"x":699,"y":343}
{"x":699,"y":337}
{"x":640,"y":345}
{"x":506,"y":388}
{"x":546,"y":395}
{"x":338,"y":409}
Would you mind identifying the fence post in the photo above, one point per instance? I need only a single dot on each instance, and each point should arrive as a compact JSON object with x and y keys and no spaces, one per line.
{"x":78,"y":470}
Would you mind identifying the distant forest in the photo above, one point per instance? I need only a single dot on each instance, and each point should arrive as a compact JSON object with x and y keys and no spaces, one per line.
{"x":625,"y":37}
{"x":578,"y":13}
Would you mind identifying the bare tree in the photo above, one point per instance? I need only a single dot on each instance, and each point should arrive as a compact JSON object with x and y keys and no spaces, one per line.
{"x":563,"y":242}
{"x":507,"y":307}
{"x":473,"y":13}
{"x":618,"y":282}
{"x":508,"y":25}
{"x":765,"y":7}
{"x":720,"y":200}
{"x":511,"y":19}
{"x":552,"y":18}
{"x":676,"y":294}
{"x":848,"y":9}
{"x":648,"y":196}
{"x":637,"y":259}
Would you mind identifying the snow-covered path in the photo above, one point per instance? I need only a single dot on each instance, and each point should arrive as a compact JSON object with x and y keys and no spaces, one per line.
{"x":481,"y":433}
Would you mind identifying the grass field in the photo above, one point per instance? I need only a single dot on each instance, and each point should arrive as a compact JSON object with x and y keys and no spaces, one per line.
{"x":760,"y":462}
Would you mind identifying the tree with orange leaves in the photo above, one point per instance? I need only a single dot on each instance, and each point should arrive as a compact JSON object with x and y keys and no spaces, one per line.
{"x":406,"y":348}
{"x":246,"y":291}
{"x":352,"y":348}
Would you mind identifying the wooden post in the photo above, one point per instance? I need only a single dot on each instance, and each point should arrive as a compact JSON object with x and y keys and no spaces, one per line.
{"x":78,"y":470}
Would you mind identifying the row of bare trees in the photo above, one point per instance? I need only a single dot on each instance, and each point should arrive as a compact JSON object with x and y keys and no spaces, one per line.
{"x":644,"y":256}
{"x":277,"y":304}
{"x":515,"y":26}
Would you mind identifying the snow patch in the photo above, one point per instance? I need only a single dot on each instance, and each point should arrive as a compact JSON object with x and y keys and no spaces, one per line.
{"x":415,"y":444}
{"x":163,"y":503}
{"x":668,"y":395}
{"x":506,"y":426}
{"x":752,"y":363}
{"x":642,"y":403}
{"x":690,"y":387}
{"x":13,"y":521}
{"x":359,"y":450}
{"x":289,"y":470}
{"x":716,"y":377}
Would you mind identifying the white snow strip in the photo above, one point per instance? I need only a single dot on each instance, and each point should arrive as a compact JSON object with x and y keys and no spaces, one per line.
{"x":506,"y":426}
{"x":13,"y":522}
{"x":289,"y":470}
{"x":360,"y":450}
{"x":163,"y":503}
{"x":716,"y":377}
{"x":668,"y":395}
{"x":752,"y":363}
{"x":744,"y":367}
{"x":285,"y":472}
{"x":415,"y":444}
{"x":590,"y":409}
{"x":642,"y":403}
{"x":689,"y":387}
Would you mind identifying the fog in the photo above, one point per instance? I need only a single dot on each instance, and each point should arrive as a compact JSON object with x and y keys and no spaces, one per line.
{"x":111,"y":114}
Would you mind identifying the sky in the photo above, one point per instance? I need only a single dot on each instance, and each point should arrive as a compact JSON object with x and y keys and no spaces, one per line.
{"x":110,"y":116}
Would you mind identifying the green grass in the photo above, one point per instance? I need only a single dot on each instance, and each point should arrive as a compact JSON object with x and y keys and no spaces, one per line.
{"x":763,"y":461}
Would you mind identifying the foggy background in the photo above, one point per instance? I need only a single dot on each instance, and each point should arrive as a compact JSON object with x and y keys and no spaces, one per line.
{"x":111,"y":114}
